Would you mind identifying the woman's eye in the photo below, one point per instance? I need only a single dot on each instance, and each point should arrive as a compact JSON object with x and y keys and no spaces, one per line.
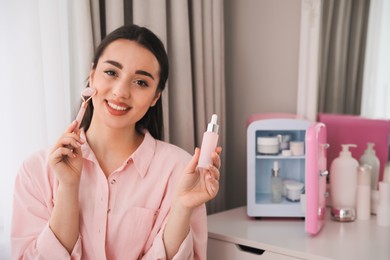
{"x":141,"y":83}
{"x":110,"y":73}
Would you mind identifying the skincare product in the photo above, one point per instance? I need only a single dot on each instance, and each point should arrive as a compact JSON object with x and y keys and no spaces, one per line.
{"x":297,"y":148}
{"x":386,"y":173}
{"x":343,"y":184}
{"x":209,"y":143}
{"x":383,"y":213}
{"x":276,"y":184}
{"x":363,"y":195}
{"x":294,"y":190}
{"x":284,"y":142}
{"x":268,"y":145}
{"x":370,"y":158}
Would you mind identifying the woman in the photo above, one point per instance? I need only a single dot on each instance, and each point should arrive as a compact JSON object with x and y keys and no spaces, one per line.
{"x":113,"y":190}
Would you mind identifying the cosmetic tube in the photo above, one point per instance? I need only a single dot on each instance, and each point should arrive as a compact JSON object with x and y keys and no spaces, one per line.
{"x":386,"y":173}
{"x":383,"y":212}
{"x":209,"y":143}
{"x":363,"y":192}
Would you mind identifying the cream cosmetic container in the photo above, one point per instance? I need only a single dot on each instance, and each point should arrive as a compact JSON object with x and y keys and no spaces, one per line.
{"x":268,"y":145}
{"x":293,"y":190}
{"x":297,"y":148}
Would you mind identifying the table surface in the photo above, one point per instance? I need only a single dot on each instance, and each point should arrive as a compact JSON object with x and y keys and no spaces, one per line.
{"x":360,"y":239}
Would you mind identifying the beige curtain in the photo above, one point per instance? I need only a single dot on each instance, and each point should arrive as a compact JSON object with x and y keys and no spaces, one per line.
{"x":344,"y":29}
{"x":193,"y":34}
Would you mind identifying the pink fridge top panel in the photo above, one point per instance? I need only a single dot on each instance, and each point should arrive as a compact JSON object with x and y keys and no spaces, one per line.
{"x":350,"y":129}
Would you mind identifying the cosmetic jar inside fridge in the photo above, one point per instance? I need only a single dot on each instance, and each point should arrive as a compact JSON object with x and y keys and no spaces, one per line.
{"x":288,"y":178}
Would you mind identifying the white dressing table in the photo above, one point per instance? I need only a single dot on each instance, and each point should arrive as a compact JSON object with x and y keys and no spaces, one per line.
{"x":234,"y":235}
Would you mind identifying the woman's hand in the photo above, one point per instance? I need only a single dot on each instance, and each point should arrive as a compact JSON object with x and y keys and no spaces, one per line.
{"x":66,"y":158}
{"x":199,"y":185}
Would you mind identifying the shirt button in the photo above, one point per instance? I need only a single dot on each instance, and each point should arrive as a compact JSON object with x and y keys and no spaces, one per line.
{"x":113,"y":181}
{"x":108,"y":211}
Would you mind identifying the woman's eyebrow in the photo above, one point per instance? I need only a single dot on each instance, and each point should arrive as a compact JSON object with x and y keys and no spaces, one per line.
{"x":114,"y":63}
{"x":120,"y":66}
{"x":145,"y":73}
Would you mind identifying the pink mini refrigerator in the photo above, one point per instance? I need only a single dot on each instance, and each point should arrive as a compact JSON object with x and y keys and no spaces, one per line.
{"x":286,"y":169}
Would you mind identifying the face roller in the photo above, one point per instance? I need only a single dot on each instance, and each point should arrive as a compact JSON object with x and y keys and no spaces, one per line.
{"x":86,"y":95}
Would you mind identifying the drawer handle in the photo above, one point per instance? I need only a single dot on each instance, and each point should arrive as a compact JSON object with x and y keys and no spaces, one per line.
{"x":251,"y":250}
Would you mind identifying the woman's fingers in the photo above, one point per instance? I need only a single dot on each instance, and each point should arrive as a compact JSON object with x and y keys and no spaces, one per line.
{"x":62,"y":152}
{"x":191,"y":166}
{"x":68,"y":144}
{"x":212,"y":185}
{"x":72,"y":127}
{"x":215,"y":157}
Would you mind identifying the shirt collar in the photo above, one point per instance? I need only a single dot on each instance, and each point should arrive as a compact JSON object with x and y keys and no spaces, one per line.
{"x":142,"y":157}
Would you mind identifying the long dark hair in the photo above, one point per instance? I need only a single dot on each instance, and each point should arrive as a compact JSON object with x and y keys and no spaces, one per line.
{"x":153,"y":119}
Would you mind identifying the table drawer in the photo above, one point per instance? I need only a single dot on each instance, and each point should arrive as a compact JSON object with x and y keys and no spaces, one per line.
{"x":217,"y":249}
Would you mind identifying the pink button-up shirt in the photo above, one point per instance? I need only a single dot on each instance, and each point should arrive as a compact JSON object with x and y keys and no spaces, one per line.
{"x":121,"y":217}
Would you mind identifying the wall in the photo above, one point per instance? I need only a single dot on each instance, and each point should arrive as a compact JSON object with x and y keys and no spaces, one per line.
{"x":262,"y":48}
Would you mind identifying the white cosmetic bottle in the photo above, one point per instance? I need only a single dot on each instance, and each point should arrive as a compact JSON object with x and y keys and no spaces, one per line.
{"x":383,"y":213}
{"x":276,"y":184}
{"x":371,"y":159}
{"x":209,"y":143}
{"x":343,"y":184}
{"x":363,"y":196}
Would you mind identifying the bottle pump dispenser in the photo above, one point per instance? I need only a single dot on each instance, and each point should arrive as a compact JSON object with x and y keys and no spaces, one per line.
{"x":343,"y":184}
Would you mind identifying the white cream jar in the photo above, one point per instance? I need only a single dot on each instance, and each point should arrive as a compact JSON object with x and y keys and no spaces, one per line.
{"x":268,"y":145}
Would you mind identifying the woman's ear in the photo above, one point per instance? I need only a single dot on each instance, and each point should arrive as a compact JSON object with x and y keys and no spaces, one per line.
{"x":156,"y":99}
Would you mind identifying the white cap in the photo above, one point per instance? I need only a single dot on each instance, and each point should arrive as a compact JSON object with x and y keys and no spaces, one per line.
{"x":213,"y":126}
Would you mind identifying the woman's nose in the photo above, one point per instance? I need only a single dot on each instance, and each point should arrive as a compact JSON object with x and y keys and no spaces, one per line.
{"x":121,"y":89}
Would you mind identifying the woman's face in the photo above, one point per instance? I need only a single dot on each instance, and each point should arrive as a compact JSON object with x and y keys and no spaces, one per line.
{"x":126,"y":79}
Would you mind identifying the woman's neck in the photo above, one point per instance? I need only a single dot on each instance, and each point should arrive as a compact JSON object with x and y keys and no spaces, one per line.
{"x":112,"y":146}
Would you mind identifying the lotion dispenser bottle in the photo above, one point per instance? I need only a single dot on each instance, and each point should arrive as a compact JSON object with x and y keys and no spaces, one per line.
{"x":276,"y":184}
{"x":343,"y":184}
{"x":209,"y":143}
{"x":371,"y":159}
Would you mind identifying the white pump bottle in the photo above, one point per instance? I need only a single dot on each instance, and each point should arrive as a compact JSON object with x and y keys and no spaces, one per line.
{"x":371,"y":159}
{"x":343,"y":184}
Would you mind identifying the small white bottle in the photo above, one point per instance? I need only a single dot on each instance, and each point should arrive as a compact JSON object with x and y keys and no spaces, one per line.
{"x":370,"y":158}
{"x":276,"y":184}
{"x":383,"y":213}
{"x":343,"y":184}
{"x":386,"y":173}
{"x":363,"y":196}
{"x":209,"y":143}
